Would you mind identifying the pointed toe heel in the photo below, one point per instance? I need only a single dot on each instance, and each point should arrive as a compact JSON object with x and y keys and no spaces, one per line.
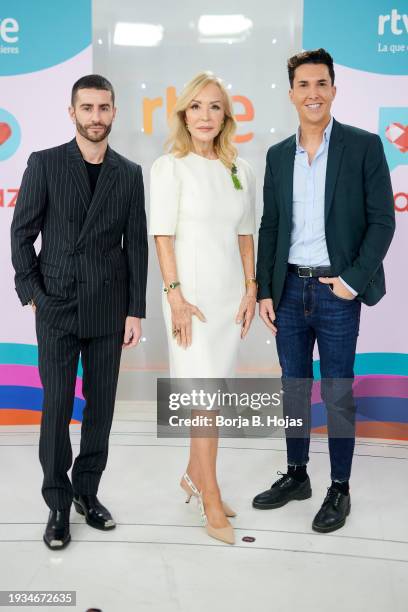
{"x":224,"y":534}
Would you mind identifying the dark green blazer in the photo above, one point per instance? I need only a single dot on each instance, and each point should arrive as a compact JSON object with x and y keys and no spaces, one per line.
{"x":359,"y":213}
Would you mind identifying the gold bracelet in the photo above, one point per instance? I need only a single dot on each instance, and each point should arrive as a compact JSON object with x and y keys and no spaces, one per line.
{"x":249,"y":281}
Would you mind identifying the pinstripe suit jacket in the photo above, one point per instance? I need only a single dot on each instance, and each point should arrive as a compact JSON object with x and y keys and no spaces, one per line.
{"x":91,"y":271}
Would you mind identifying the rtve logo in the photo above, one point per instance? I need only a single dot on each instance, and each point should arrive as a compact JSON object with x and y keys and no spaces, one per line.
{"x":151,"y":104}
{"x":394,"y":20}
{"x":8,"y":30}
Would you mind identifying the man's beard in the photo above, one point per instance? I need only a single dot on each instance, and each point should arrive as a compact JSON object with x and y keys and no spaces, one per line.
{"x":85,"y":131}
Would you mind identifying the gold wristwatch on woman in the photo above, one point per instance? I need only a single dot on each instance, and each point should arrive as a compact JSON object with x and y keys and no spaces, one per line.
{"x":172,"y":285}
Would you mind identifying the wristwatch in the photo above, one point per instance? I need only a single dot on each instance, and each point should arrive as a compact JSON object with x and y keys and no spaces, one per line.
{"x":172,"y":285}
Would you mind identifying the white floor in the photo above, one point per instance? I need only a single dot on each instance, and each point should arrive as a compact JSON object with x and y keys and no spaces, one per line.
{"x":159,"y":558}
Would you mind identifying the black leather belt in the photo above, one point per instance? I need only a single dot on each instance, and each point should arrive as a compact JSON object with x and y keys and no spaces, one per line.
{"x":309,"y":271}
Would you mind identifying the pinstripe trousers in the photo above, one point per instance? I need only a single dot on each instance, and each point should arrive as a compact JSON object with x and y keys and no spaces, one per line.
{"x":58,"y":356}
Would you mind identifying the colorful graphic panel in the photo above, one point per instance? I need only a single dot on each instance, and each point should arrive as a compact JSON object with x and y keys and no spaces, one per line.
{"x":369,"y":43}
{"x":44,"y":48}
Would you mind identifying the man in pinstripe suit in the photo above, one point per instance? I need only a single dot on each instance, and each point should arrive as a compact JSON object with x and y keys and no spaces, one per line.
{"x":87,"y":287}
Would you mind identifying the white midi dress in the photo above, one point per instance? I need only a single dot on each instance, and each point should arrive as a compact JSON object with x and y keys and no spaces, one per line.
{"x":194,"y":199}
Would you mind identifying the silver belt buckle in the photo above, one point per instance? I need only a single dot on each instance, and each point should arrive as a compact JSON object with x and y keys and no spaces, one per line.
{"x":301,"y":275}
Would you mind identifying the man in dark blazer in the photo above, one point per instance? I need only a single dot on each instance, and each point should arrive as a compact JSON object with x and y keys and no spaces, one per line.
{"x":87,"y":287}
{"x":327,"y":223}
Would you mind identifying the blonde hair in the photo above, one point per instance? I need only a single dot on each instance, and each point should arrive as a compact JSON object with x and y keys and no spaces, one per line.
{"x":180,"y":143}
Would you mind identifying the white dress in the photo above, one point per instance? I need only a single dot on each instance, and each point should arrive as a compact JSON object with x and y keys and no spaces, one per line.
{"x":194,"y":199}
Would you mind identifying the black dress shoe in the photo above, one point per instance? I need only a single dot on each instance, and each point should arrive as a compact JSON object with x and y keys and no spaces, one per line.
{"x":57,"y":535}
{"x":95,"y":514}
{"x":333,"y":513}
{"x":281,"y":492}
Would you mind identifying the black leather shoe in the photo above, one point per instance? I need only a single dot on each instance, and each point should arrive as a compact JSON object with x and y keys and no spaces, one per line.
{"x":333,"y":513}
{"x":281,"y":492}
{"x":57,"y":535}
{"x":95,"y":514}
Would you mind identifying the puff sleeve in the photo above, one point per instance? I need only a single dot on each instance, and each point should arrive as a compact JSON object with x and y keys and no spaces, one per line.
{"x":164,"y":196}
{"x":247,"y":223}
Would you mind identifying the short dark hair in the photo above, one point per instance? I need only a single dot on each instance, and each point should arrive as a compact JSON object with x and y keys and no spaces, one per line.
{"x":317,"y":56}
{"x":92,"y":81}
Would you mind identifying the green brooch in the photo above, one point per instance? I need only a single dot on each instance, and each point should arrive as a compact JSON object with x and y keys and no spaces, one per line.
{"x":234,"y":176}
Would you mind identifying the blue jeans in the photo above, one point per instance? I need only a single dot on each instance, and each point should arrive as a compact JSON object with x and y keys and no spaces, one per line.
{"x":308,"y":312}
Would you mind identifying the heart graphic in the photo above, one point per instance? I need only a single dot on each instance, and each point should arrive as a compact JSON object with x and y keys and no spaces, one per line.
{"x":397,"y":134}
{"x":5,"y":132}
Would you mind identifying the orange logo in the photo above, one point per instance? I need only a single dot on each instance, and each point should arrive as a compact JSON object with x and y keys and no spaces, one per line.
{"x":151,"y":104}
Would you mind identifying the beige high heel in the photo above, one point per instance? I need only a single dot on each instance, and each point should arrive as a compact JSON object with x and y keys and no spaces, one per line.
{"x":225,"y":534}
{"x":191,"y":490}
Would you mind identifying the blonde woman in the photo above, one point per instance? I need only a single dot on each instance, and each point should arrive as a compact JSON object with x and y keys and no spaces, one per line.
{"x":202,"y":217}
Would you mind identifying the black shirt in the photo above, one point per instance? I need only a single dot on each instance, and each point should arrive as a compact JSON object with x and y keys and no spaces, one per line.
{"x":93,"y":174}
